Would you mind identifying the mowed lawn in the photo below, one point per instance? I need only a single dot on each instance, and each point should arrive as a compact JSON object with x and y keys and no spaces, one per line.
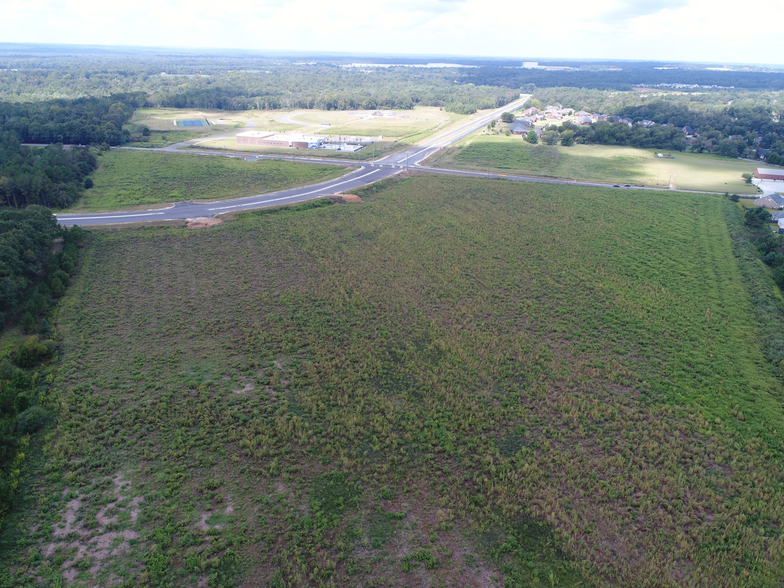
{"x":127,"y":178}
{"x":602,"y":163}
{"x":456,"y":380}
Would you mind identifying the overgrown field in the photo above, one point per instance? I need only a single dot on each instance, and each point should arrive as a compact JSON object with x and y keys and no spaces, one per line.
{"x":602,"y":163}
{"x":456,"y":383}
{"x":133,"y":178}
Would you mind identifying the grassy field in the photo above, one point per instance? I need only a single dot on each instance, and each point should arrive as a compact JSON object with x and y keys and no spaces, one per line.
{"x":160,"y":121}
{"x":615,"y":165}
{"x":455,"y":383}
{"x":229,"y":144}
{"x":136,"y":178}
{"x":423,"y":120}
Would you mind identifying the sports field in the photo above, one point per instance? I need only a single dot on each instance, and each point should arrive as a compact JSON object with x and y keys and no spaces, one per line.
{"x":613,"y":165}
{"x":127,"y":178}
{"x":458,"y":382}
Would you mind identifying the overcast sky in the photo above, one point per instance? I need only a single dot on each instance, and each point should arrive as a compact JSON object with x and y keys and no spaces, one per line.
{"x":677,"y":30}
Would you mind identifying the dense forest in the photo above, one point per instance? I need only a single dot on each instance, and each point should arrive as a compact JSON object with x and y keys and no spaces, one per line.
{"x":625,"y":76}
{"x":277,"y":86}
{"x":80,"y":122}
{"x":25,"y":241}
{"x":32,"y":279}
{"x":50,"y":176}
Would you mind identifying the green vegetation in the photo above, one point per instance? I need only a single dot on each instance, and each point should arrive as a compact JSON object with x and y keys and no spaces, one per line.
{"x":49,"y":176}
{"x":29,"y":274}
{"x":78,"y":122}
{"x":601,"y":163}
{"x":155,"y":127}
{"x":130,"y":178}
{"x":456,"y":380}
{"x":25,"y":241}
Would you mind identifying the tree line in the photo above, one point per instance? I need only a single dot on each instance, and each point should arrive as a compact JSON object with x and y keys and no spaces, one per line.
{"x":47,"y":176}
{"x":32,"y":279}
{"x":81,"y":121}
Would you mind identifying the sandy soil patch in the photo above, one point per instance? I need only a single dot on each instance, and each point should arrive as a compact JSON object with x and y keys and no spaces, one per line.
{"x":345,"y":198}
{"x":101,"y":543}
{"x":203,"y":222}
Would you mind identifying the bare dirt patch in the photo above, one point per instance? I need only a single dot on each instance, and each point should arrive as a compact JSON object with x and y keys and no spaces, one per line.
{"x":101,"y":543}
{"x":345,"y":198}
{"x":203,"y":222}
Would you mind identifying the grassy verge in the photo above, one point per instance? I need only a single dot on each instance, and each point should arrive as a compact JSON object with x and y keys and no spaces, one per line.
{"x":454,"y":381}
{"x":599,"y":163}
{"x":132,"y":178}
{"x":229,"y":144}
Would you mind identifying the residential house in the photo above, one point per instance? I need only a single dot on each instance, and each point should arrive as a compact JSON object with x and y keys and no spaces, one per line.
{"x":520,"y":127}
{"x":771,"y":200}
{"x":583,"y":120}
{"x":777,"y":216}
{"x":761,"y":153}
{"x":689,"y":131}
{"x":582,"y":113}
{"x":647,"y":123}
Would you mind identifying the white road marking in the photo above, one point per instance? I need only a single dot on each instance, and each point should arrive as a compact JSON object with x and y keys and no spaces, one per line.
{"x":77,"y":218}
{"x":294,"y":195}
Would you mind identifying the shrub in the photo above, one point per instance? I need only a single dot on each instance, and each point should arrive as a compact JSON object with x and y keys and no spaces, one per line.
{"x":57,"y":288}
{"x":31,"y":353}
{"x":32,"y":419}
{"x":21,"y":403}
{"x":6,"y":370}
{"x":88,"y":183}
{"x":28,"y":322}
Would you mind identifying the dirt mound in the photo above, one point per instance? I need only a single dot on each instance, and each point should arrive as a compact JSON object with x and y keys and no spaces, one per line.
{"x":203,"y":222}
{"x":345,"y":198}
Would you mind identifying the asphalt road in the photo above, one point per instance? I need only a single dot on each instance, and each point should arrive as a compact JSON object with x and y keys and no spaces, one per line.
{"x":367,"y":173}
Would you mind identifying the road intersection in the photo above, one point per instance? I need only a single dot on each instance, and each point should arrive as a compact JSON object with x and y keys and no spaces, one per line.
{"x":367,"y":173}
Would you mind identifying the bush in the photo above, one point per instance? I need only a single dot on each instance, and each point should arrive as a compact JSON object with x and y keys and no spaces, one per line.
{"x":31,"y":353}
{"x":757,"y":217}
{"x":88,"y":183}
{"x":28,"y":322}
{"x":21,"y":403}
{"x":550,"y":137}
{"x":7,"y":370}
{"x":32,"y":419}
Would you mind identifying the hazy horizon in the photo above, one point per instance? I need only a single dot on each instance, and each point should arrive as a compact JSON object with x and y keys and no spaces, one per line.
{"x":690,"y":31}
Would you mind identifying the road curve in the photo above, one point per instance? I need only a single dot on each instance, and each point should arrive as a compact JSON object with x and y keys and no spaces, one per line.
{"x":366,"y":173}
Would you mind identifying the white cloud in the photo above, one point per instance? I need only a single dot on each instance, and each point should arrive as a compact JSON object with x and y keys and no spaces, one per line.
{"x":688,"y":30}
